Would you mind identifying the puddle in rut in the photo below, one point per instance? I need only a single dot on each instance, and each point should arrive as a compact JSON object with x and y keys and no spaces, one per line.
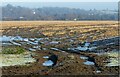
{"x":83,"y":57}
{"x":45,"y":57}
{"x":89,"y":63}
{"x":48,"y":63}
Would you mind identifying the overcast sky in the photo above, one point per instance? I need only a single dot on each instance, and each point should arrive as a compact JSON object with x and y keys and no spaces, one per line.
{"x":82,"y":4}
{"x":60,"y":0}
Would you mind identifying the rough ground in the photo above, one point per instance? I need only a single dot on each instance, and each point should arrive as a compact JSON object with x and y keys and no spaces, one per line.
{"x":68,"y":63}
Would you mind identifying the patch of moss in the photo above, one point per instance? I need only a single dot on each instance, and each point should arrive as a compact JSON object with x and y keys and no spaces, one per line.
{"x":15,"y":50}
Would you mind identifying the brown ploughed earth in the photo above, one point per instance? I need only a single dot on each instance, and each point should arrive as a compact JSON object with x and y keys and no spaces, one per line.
{"x":70,"y":34}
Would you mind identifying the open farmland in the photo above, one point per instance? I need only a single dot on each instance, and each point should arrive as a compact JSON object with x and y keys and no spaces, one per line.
{"x":87,"y":47}
{"x":60,"y":28}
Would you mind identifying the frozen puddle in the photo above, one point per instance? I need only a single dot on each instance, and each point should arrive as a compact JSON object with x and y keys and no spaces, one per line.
{"x":34,"y":43}
{"x":45,"y":57}
{"x":85,"y":48}
{"x":54,"y":42}
{"x":14,"y":59}
{"x":56,"y":49}
{"x":11,"y":39}
{"x":89,"y":63}
{"x":98,"y":71}
{"x":31,"y":49}
{"x":83,"y":57}
{"x":48,"y":63}
{"x":82,"y":48}
{"x":5,"y":38}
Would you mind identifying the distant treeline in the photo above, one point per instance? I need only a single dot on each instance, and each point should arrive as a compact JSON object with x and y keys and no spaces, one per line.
{"x":10,"y":12}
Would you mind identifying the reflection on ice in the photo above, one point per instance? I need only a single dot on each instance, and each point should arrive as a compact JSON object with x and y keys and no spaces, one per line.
{"x":45,"y":57}
{"x":36,"y":47}
{"x":48,"y":63}
{"x":84,"y":57}
{"x":16,"y":43}
{"x":5,"y":38}
{"x":89,"y":63}
{"x":4,"y":44}
{"x":87,"y":44}
{"x":82,"y":48}
{"x":26,"y":39}
{"x":33,"y":43}
{"x":31,"y":49}
{"x":98,"y":71}
{"x":54,"y":42}
{"x":18,"y":38}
